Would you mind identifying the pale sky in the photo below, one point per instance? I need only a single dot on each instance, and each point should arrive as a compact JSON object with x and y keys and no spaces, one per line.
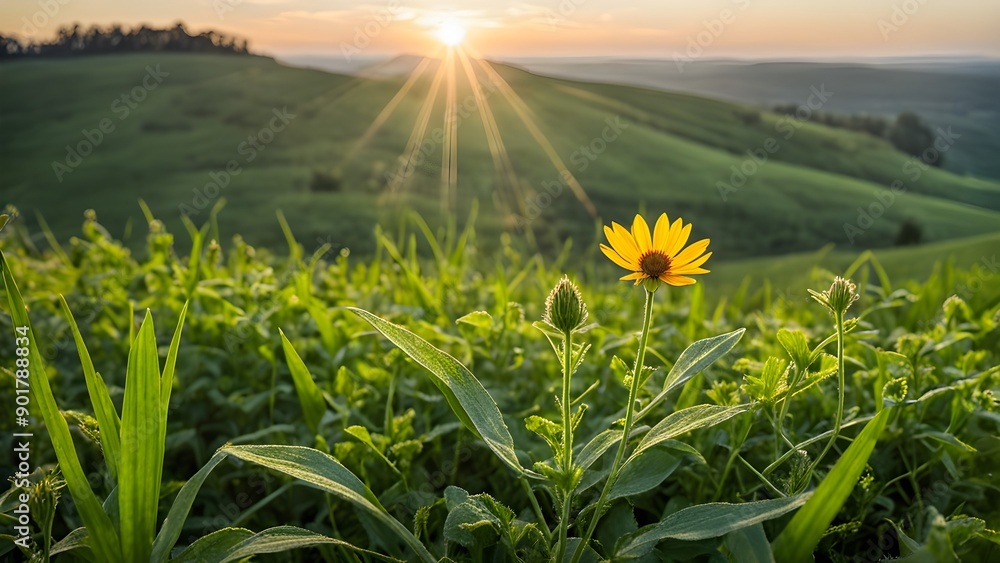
{"x":645,"y":28}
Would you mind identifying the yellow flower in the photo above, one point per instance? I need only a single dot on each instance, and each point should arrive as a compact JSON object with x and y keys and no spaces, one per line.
{"x":659,"y":257}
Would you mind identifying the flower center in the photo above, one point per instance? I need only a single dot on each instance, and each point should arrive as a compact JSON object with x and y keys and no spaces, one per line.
{"x":654,"y":263}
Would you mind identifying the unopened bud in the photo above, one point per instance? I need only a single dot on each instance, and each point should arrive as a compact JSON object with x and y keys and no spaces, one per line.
{"x":564,"y":307}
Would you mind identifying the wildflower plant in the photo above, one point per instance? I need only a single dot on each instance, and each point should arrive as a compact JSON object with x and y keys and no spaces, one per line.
{"x":570,"y":455}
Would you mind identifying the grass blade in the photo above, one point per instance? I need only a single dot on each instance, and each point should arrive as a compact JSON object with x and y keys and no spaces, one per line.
{"x":103,"y":538}
{"x":173,"y":524}
{"x":238,"y":544}
{"x":465,"y":394}
{"x":798,"y":540}
{"x":324,"y":472}
{"x":104,"y":409}
{"x":310,"y":395}
{"x":142,"y":450}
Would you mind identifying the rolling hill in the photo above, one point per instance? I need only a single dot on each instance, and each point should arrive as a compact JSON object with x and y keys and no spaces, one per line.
{"x":273,"y":137}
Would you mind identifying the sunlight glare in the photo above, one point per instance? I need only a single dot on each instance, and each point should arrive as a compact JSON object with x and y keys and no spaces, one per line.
{"x":450,"y":32}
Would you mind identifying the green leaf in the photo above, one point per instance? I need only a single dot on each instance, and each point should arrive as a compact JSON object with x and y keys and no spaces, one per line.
{"x":478,"y":319}
{"x":142,"y":450}
{"x":310,"y":395}
{"x":695,"y":358}
{"x":749,"y":545}
{"x":683,"y":421}
{"x":104,"y":409}
{"x":645,"y":473}
{"x":475,"y":520}
{"x":167,"y":383}
{"x":705,"y":521}
{"x":797,"y":345}
{"x":324,"y":472}
{"x":173,"y":524}
{"x":77,"y":539}
{"x":103,"y":537}
{"x":798,"y":540}
{"x":468,"y":399}
{"x":362,"y":434}
{"x":237,"y":544}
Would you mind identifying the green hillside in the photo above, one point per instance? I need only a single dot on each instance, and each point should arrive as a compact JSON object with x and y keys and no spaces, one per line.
{"x":672,"y":153}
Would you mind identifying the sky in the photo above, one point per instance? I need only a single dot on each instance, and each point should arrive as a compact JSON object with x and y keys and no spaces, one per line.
{"x":499,"y":28}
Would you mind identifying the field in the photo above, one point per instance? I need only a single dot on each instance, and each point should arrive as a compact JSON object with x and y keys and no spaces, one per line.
{"x":268,"y":371}
{"x":670,"y":151}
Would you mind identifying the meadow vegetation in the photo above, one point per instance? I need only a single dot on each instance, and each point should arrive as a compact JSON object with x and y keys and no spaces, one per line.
{"x":428,"y":405}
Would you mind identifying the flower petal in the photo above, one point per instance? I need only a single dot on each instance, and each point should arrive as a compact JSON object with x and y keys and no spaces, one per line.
{"x":678,"y":242}
{"x":676,"y":280}
{"x":617,"y":259}
{"x":690,"y":253}
{"x":678,"y":266}
{"x":660,"y":232}
{"x":624,"y":243}
{"x":640,"y":230}
{"x":633,"y":276}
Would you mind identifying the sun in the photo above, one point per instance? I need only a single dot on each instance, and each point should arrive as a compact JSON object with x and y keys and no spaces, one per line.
{"x":450,"y":32}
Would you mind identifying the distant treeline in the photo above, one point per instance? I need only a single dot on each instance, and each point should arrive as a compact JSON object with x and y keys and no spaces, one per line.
{"x":75,"y":40}
{"x":907,"y":132}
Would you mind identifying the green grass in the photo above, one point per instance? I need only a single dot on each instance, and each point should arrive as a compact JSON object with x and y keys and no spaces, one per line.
{"x":674,"y":151}
{"x":399,"y":445}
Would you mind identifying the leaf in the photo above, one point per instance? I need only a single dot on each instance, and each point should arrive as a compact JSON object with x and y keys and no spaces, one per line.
{"x":468,"y":399}
{"x":798,"y":540}
{"x":142,"y":449}
{"x":167,"y":383}
{"x":692,"y":360}
{"x":797,"y":345}
{"x":478,"y":319}
{"x":749,"y":545}
{"x":362,"y":434}
{"x":705,"y":521}
{"x":645,"y":473}
{"x":310,"y":395}
{"x":324,"y":472}
{"x":236,"y":544}
{"x":103,"y":537}
{"x":74,"y":540}
{"x":107,"y":416}
{"x":173,"y":524}
{"x":469,"y":515}
{"x":683,"y":421}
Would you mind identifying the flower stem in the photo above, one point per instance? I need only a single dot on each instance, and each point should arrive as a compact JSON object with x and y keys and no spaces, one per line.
{"x":839,"y":317}
{"x":626,"y":430}
{"x":567,"y":461}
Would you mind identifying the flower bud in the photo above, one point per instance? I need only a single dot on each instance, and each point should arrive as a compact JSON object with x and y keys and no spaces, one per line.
{"x":564,"y":307}
{"x":839,"y":297}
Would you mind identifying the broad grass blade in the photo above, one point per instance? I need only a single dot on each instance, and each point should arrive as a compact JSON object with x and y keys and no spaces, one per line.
{"x":104,"y":409}
{"x":798,"y":540}
{"x":103,"y":538}
{"x":173,"y":524}
{"x":142,"y":449}
{"x":686,"y":420}
{"x":310,"y":395}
